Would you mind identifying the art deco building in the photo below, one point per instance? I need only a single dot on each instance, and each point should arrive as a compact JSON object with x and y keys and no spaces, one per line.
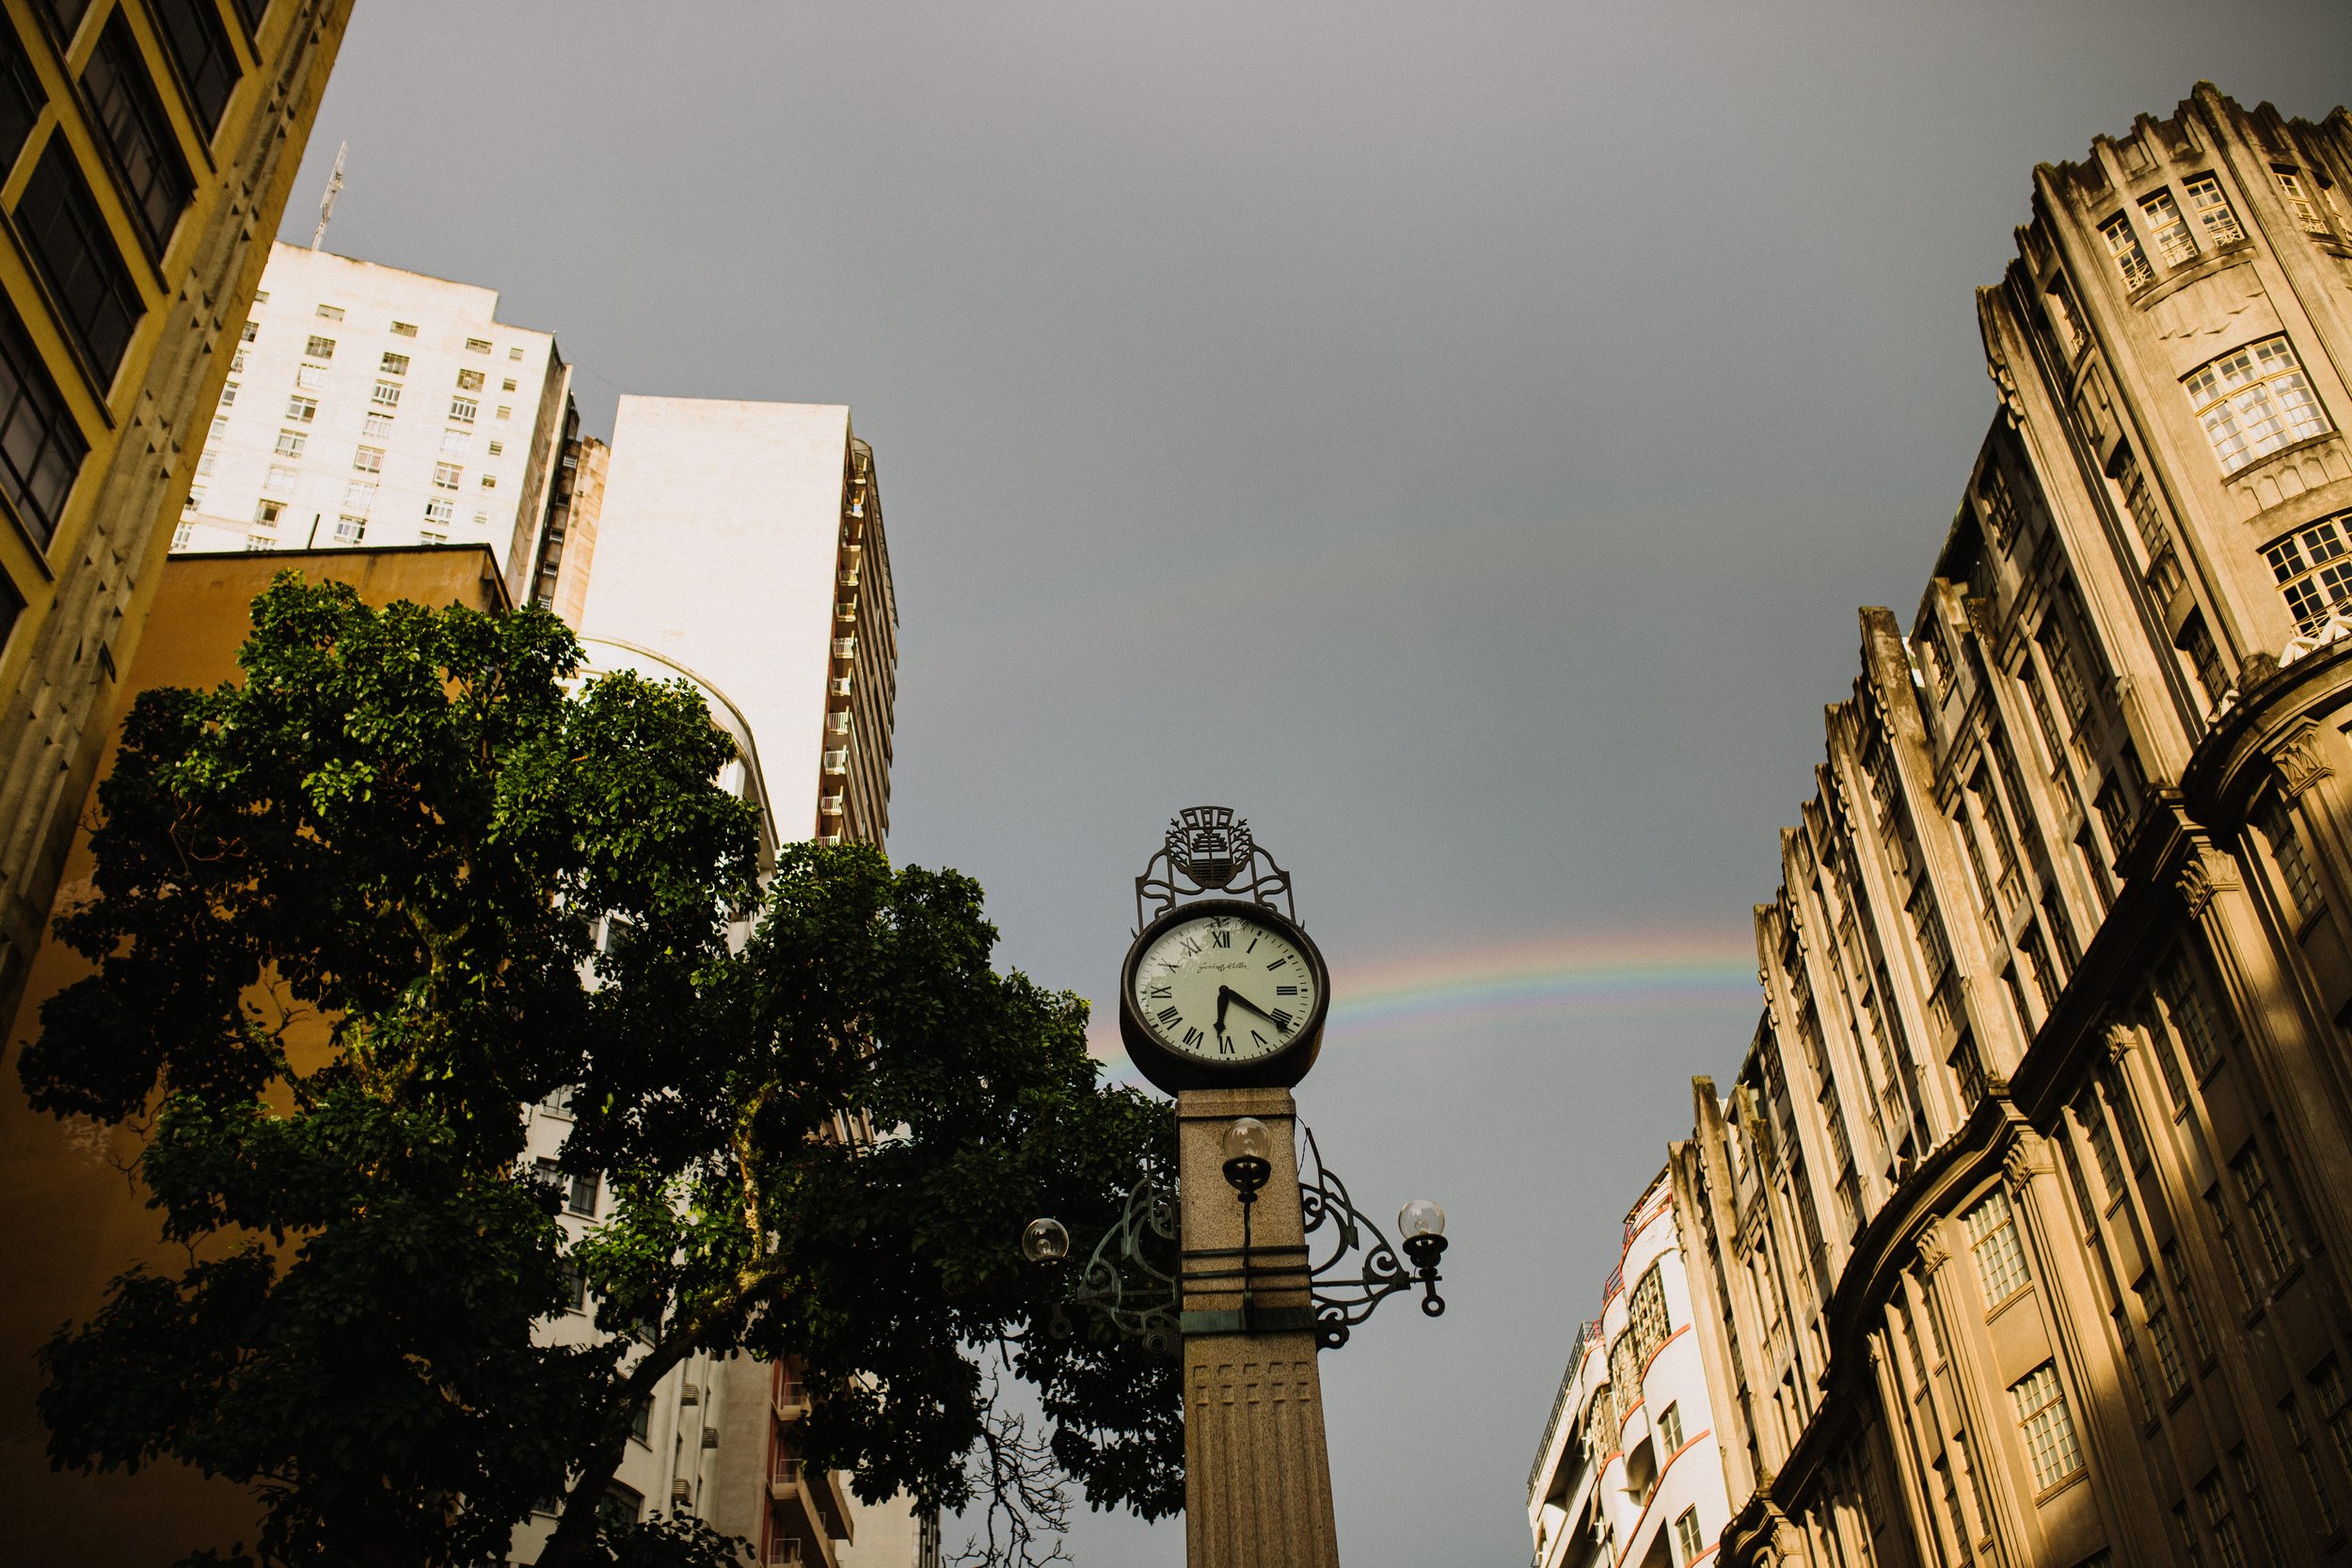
{"x":1628,"y":1470}
{"x":2022,"y":1236}
{"x":146,"y":151}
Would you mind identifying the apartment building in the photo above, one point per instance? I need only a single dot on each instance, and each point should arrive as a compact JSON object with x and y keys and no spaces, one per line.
{"x":1627,"y":1471}
{"x":743,"y":541}
{"x":2020,"y":1237}
{"x":368,"y":405}
{"x":143,"y":149}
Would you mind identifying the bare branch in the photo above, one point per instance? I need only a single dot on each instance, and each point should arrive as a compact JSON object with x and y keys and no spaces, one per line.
{"x":1028,"y":1499}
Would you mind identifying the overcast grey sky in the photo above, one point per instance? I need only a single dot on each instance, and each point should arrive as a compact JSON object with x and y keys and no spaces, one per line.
{"x":1456,"y":434}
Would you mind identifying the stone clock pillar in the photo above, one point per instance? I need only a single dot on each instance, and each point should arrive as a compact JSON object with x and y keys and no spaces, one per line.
{"x":1257,"y":1475}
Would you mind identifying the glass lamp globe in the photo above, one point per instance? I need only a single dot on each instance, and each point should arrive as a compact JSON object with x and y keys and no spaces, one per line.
{"x":1248,"y":1139}
{"x":1421,"y":1217}
{"x":1045,"y":1242}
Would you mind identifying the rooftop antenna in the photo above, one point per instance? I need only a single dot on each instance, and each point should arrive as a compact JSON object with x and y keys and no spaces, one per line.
{"x":327,"y":203}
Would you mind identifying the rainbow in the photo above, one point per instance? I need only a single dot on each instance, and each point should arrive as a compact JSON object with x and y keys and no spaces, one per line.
{"x":1562,"y":974}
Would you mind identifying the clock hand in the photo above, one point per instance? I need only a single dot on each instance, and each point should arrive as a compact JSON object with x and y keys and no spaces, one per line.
{"x":1224,"y":993}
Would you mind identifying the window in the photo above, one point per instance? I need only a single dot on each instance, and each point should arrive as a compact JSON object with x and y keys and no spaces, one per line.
{"x":2301,"y":1434}
{"x":404,"y":329}
{"x":204,"y":462}
{"x":482,"y":519}
{"x":2295,"y":866}
{"x":2124,"y":246}
{"x":21,"y":97}
{"x":1647,"y":1309}
{"x":280,"y":479}
{"x":470,"y":381}
{"x":331,"y":313}
{"x":2211,"y":210}
{"x":2185,"y":1000}
{"x":2225,"y":1230}
{"x":394,"y":364}
{"x":2169,"y":229}
{"x":360,"y":497}
{"x":446,"y":476}
{"x":2160,"y":1334}
{"x":268,"y":512}
{"x":2176,"y":1271}
{"x":504,"y":412}
{"x":2262,"y":1206}
{"x":2253,"y":401}
{"x":179,"y":537}
{"x":260,"y":296}
{"x":456,"y":440}
{"x":196,"y":498}
{"x":498,"y":449}
{"x":376,"y":425}
{"x":2102,"y":1143}
{"x":199,"y":46}
{"x":252,"y":328}
{"x":2205,"y":658}
{"x":2049,"y":1430}
{"x":581,"y":1195}
{"x":221,"y":428}
{"x":622,"y":1505}
{"x":2249,"y":1485}
{"x":255,"y":542}
{"x":489,"y":482}
{"x":2215,"y":1500}
{"x":156,"y":177}
{"x":350,"y":529}
{"x":291,"y":442}
{"x":2122,"y":1318}
{"x":302,"y":410}
{"x":236,"y":363}
{"x":319,"y":348}
{"x":60,"y":222}
{"x":387,"y":394}
{"x":514,"y":353}
{"x":368,"y":460}
{"x":506,"y":385}
{"x":41,"y":446}
{"x":2299,"y":199}
{"x":1688,"y":1541}
{"x":426,"y":536}
{"x":477,"y":345}
{"x":310,"y":377}
{"x":1992,"y":1239}
{"x":1669,"y":1431}
{"x":229,"y":395}
{"x":440,"y":512}
{"x":463,"y":409}
{"x":2193,"y":1553}
{"x":641,"y":1423}
{"x":2335,"y":1406}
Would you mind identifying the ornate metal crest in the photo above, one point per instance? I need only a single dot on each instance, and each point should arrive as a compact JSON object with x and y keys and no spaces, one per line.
{"x":1130,"y":1277}
{"x":1340,"y":1302}
{"x":1208,"y":849}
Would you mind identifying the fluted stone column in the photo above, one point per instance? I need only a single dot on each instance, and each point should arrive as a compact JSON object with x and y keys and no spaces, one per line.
{"x":1257,"y":1474}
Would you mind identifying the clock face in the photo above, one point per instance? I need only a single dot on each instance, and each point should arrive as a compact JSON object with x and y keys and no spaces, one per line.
{"x":1224,"y":986}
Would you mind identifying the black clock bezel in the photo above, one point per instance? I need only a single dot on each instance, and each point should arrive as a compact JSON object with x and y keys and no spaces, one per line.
{"x":1174,"y":1071}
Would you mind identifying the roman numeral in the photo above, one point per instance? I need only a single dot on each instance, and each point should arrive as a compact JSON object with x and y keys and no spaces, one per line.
{"x":1282,"y":1021}
{"x":1168,"y":1016}
{"x":1192,"y":948}
{"x":1253,"y":946}
{"x":1260,"y":1038}
{"x":1225,"y":1044}
{"x":1286,"y":991}
{"x":1192,"y":1036}
{"x":1221,"y":939}
{"x":1160,"y":992}
{"x":1278,"y":963}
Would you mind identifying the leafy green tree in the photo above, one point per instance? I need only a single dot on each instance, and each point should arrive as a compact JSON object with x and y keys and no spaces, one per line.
{"x":355,"y":912}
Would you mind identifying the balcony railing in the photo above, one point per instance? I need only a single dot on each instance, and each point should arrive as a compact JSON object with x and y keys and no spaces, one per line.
{"x":784,"y":1554}
{"x":829,"y":805}
{"x":837,"y":762}
{"x":787,"y":1474}
{"x":845,"y":647}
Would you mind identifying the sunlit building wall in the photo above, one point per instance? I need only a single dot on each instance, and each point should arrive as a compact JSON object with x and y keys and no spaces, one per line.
{"x":2018,"y":1238}
{"x":145,"y":153}
{"x":1628,"y":1470}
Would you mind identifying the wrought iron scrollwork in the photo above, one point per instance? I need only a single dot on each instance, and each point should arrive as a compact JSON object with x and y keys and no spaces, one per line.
{"x":1130,"y":1277}
{"x":1341,"y":1299}
{"x":1208,"y":849}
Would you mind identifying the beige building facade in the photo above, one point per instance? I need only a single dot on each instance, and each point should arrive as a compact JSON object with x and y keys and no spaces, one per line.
{"x":2020,"y":1238}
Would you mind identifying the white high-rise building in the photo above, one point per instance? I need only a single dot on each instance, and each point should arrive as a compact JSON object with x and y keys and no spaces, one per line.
{"x":369,"y":404}
{"x":744,"y":541}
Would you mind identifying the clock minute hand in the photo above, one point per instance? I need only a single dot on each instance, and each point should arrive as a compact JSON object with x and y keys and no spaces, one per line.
{"x":1225,"y":993}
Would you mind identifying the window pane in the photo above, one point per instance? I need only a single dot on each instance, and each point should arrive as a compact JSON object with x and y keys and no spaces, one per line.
{"x":61,"y":227}
{"x":67,"y":14}
{"x":21,"y":96}
{"x":200,"y":47}
{"x":41,"y":447}
{"x":133,"y":119}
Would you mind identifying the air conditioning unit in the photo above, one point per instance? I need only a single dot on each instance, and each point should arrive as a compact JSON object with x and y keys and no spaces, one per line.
{"x":710,"y":1438}
{"x":691,"y":1395}
{"x":681,"y":1491}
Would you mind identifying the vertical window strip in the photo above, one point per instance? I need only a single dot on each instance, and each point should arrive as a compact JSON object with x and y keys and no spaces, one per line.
{"x":2299,"y":1434}
{"x":2160,"y":1334}
{"x":2262,"y":1206}
{"x":2211,"y":208}
{"x":2335,"y":1407}
{"x":2169,"y":229}
{"x":2222,"y":1520}
{"x":2185,"y":1000}
{"x":2302,"y":884}
{"x":1992,"y":1242}
{"x":2176,"y":1270}
{"x":69,"y":239}
{"x":2299,"y":199}
{"x":41,"y":446}
{"x":199,"y":46}
{"x":2049,"y":1430}
{"x":21,"y":96}
{"x":2253,"y":401}
{"x":2225,"y":1230}
{"x":138,"y":131}
{"x":2249,"y":1485}
{"x":2130,"y":261}
{"x":2122,"y":1320}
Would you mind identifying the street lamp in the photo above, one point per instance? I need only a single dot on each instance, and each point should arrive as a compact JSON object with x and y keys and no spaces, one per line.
{"x":1047,"y":1241}
{"x":1422,"y":1224}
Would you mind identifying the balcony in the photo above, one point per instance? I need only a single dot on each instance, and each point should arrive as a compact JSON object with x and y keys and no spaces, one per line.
{"x":845,"y":647}
{"x":846,"y":611}
{"x":836,"y":762}
{"x":784,"y":1554}
{"x":791,"y":1402}
{"x":829,"y":805}
{"x":838,"y":721}
{"x":785,"y":1478}
{"x":839,"y":686}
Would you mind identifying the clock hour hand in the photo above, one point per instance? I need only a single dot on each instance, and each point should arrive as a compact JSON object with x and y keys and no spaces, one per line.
{"x":1224,"y":994}
{"x":1227,"y":994}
